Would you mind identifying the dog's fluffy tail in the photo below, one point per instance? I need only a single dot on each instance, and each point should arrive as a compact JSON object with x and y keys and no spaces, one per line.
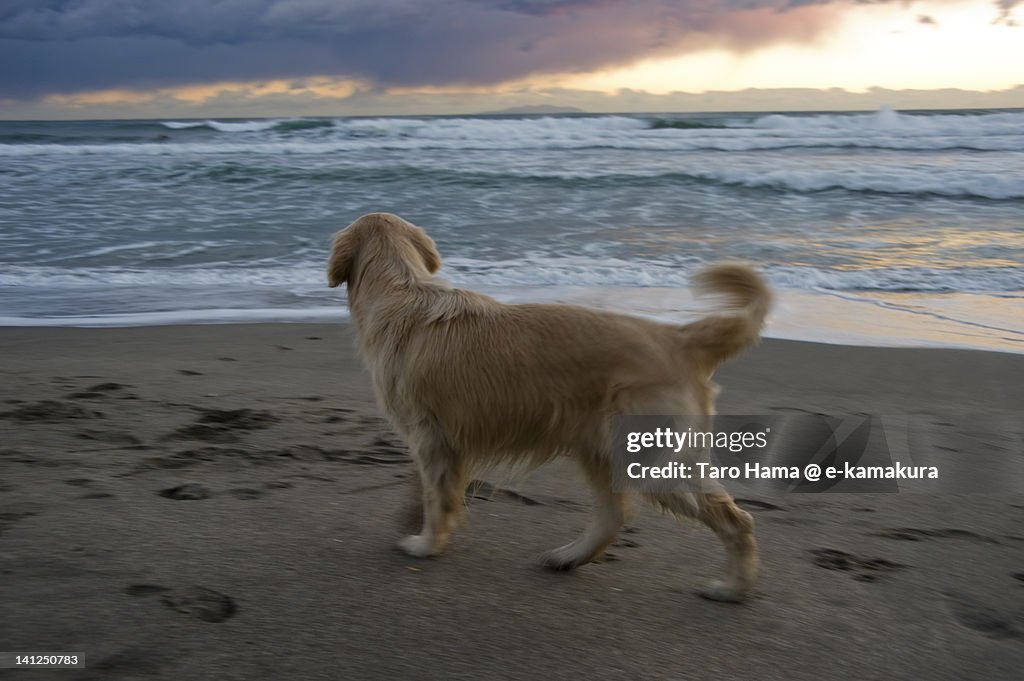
{"x":738,"y":325}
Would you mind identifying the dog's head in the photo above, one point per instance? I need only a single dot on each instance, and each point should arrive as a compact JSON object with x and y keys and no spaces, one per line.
{"x":380,"y":237}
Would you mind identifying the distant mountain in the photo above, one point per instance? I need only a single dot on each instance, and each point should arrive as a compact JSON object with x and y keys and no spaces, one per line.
{"x":540,"y":109}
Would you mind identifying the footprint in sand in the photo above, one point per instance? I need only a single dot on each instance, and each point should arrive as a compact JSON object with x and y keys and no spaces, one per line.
{"x":241,"y":419}
{"x":9,"y":519}
{"x":129,"y":663}
{"x":863,"y":569}
{"x":988,"y":621}
{"x":371,"y":459}
{"x":202,"y":603}
{"x":188,"y":492}
{"x":917,"y":534}
{"x":381,"y":451}
{"x":113,"y":437}
{"x":187,"y":458}
{"x":219,"y":425}
{"x":144,"y":589}
{"x":204,"y":433}
{"x":198,"y":601}
{"x":246,"y":493}
{"x":757,"y":505}
{"x":103,"y":390}
{"x":50,"y":411}
{"x":278,"y":484}
{"x":796,"y":410}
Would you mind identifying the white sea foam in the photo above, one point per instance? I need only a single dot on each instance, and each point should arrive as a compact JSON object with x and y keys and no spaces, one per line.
{"x":613,"y":272}
{"x":207,"y":316}
{"x":886,"y":120}
{"x":885,"y":129}
{"x":974,"y":177}
{"x":526,"y":271}
{"x":236,"y":214}
{"x":183,"y":125}
{"x":985,"y":177}
{"x":848,"y":319}
{"x":224,"y":126}
{"x":211,"y":278}
{"x":778,"y":152}
{"x":902,"y":279}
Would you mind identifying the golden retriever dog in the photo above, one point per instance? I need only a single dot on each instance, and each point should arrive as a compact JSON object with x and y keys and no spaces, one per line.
{"x":471,"y":383}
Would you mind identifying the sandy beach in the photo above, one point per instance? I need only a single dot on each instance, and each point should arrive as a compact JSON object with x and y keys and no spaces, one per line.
{"x":222,"y":501}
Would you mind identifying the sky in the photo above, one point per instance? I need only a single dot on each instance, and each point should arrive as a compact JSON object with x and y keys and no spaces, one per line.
{"x":206,"y":58}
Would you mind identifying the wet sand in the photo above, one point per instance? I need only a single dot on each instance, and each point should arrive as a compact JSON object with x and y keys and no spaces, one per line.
{"x":223,"y":501}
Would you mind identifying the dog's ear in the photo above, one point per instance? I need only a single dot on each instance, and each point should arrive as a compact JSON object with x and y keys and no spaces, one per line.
{"x":427,"y":250}
{"x":339,"y":266}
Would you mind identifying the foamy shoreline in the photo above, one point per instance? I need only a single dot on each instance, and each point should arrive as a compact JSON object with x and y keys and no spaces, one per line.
{"x":963,"y":321}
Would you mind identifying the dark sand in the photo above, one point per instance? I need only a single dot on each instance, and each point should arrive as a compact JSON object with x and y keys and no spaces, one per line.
{"x":221,"y":502}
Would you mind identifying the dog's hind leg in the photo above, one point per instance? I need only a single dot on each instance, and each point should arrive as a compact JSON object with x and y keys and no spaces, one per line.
{"x":609,"y":515}
{"x":443,"y":483}
{"x":734,"y":527}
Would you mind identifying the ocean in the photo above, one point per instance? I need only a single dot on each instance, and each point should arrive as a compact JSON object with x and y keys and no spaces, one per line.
{"x":881,"y":228}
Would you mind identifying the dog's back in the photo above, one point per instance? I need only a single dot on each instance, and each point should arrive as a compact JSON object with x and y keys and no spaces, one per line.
{"x":505,"y":380}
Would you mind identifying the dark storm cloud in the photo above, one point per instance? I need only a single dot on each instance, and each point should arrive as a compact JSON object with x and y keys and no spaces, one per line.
{"x":78,"y":45}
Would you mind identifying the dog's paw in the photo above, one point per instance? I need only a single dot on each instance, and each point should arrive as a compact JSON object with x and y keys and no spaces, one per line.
{"x":560,"y":559}
{"x":417,"y":546}
{"x":722,"y":592}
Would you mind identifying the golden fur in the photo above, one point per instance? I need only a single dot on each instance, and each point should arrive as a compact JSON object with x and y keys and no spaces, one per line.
{"x":470,"y":382}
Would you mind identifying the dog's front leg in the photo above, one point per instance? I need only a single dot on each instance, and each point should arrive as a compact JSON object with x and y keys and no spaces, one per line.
{"x":443,"y":484}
